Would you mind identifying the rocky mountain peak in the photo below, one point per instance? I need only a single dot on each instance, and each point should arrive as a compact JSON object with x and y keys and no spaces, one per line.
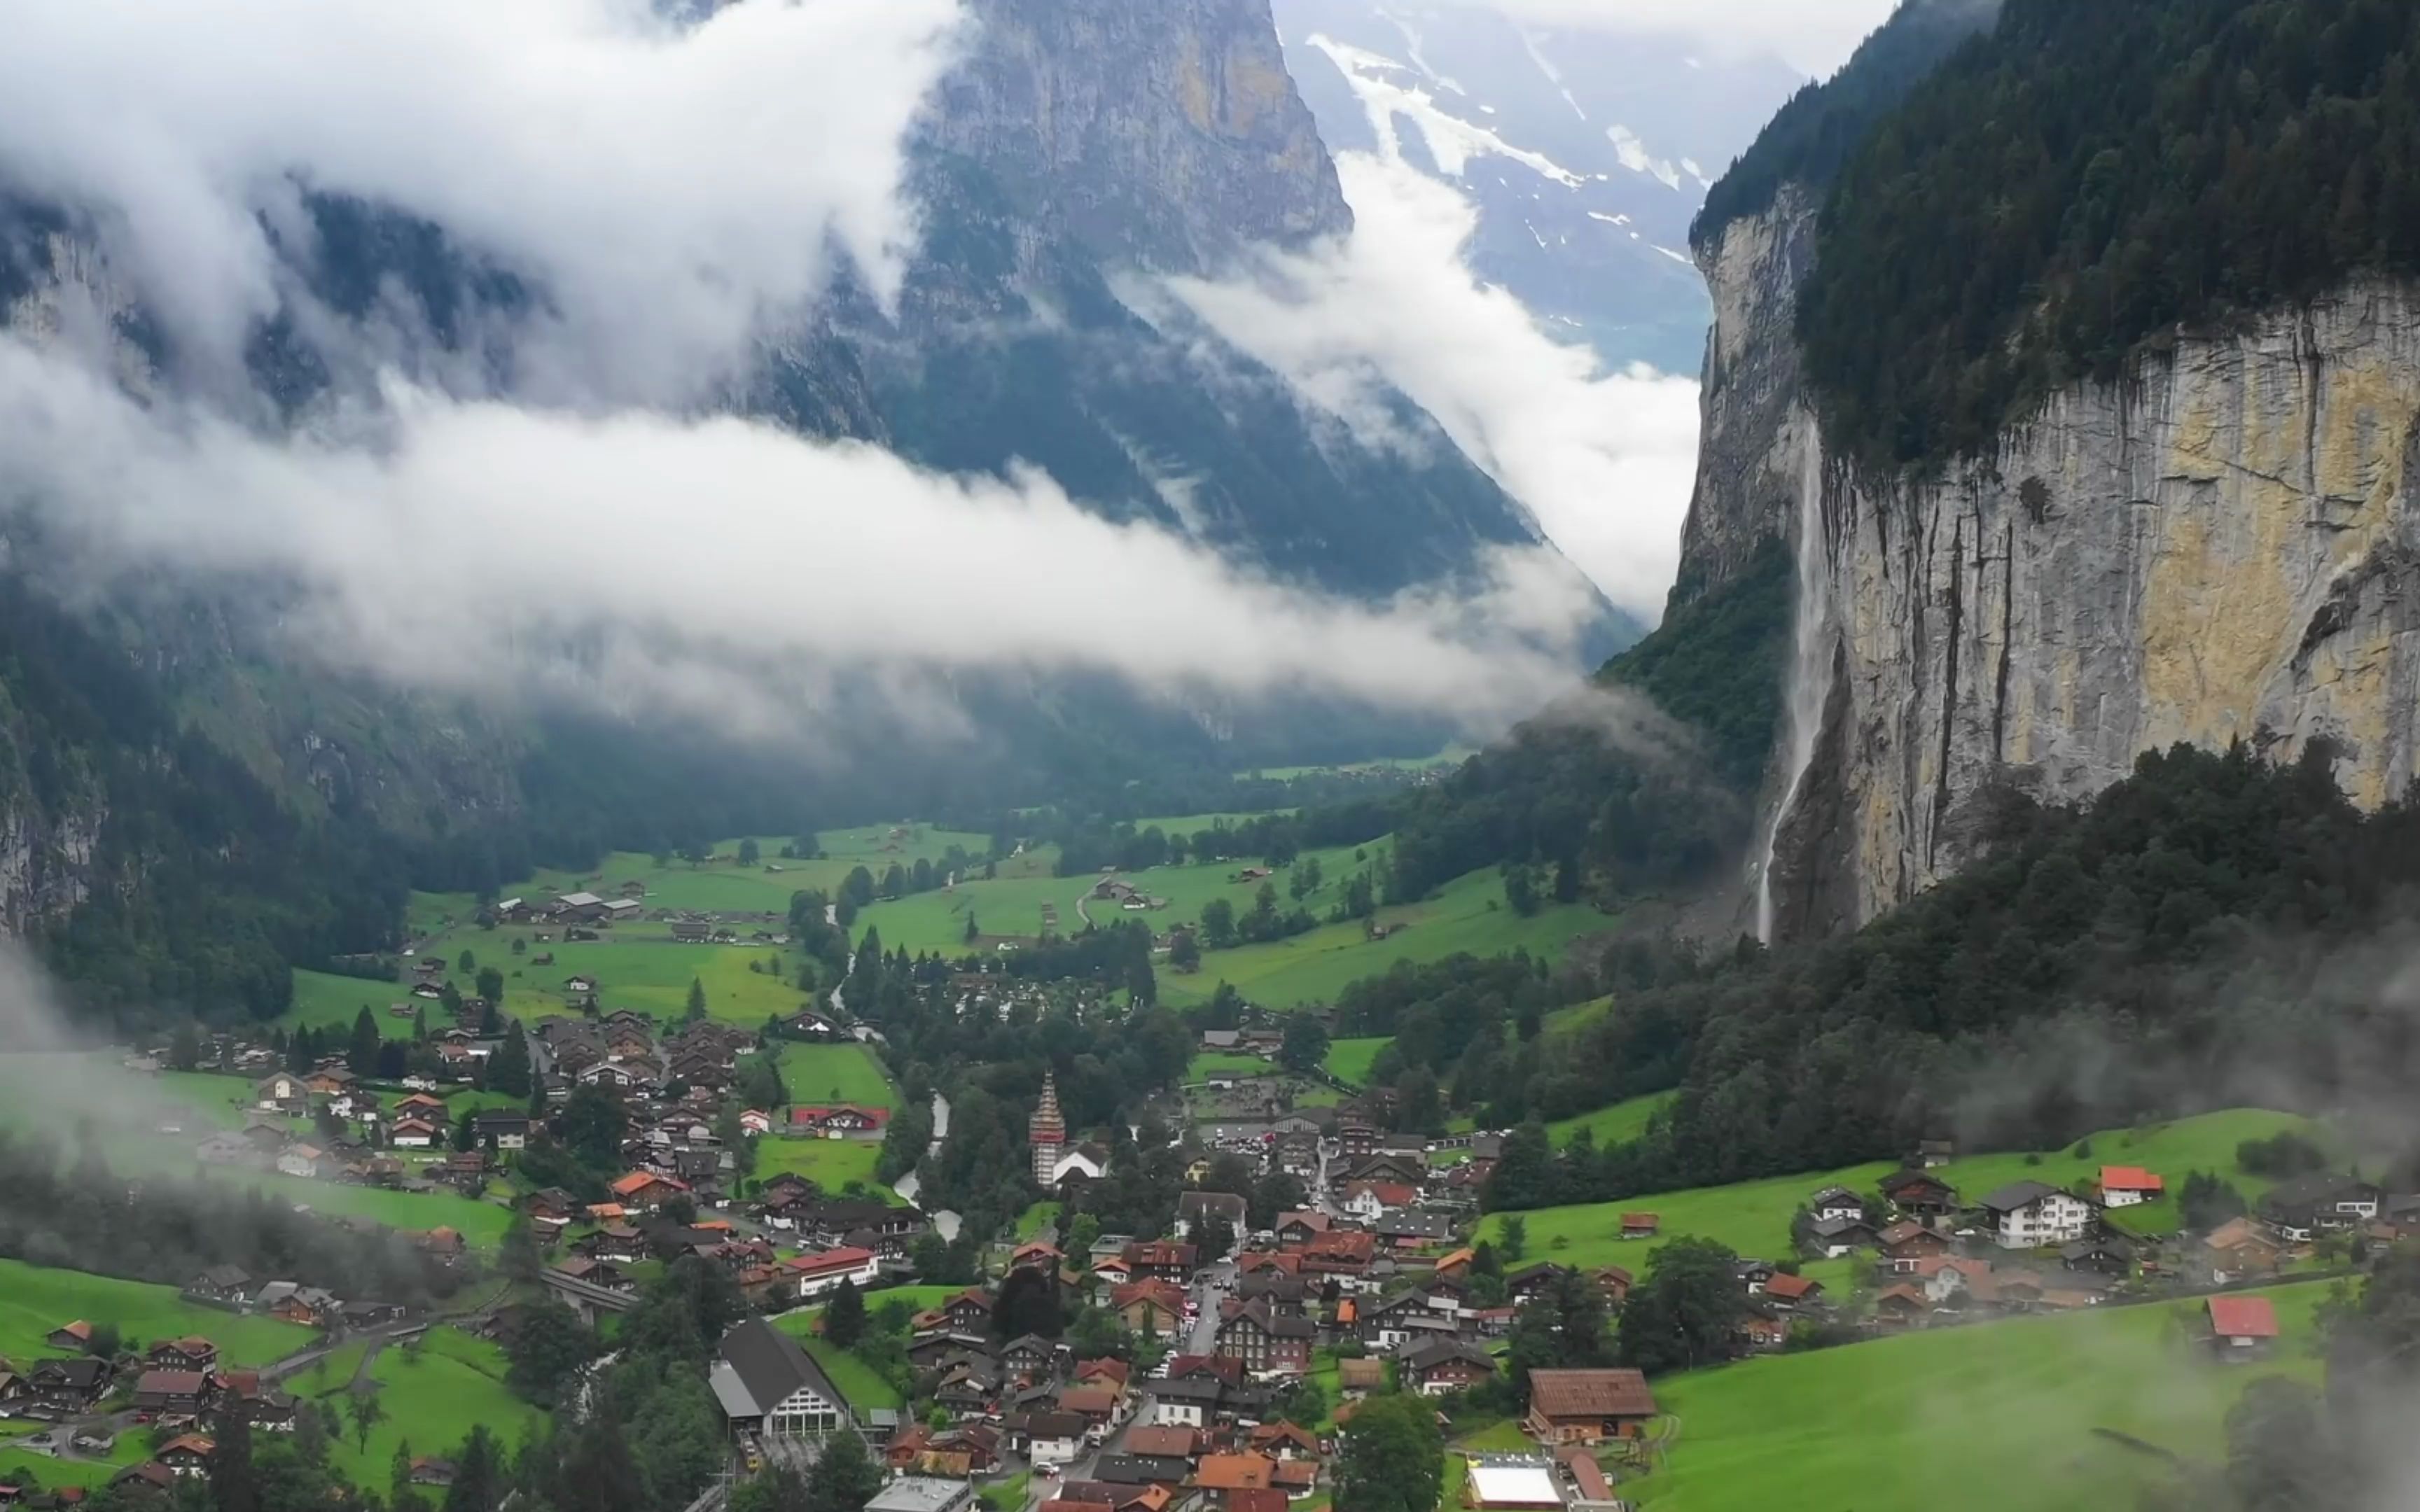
{"x":1169,"y":135}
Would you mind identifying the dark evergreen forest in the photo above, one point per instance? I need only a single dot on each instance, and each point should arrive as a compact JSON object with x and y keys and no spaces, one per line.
{"x":2211,"y":930}
{"x":2059,"y":198}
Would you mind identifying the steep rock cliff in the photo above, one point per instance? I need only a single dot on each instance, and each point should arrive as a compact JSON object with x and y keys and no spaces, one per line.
{"x":2226,"y":546}
{"x":1754,"y":428}
{"x":1169,"y":133}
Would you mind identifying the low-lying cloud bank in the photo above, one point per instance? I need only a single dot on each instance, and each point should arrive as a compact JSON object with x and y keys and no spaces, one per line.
{"x":1604,"y":460}
{"x":670,"y":187}
{"x":717,"y":564}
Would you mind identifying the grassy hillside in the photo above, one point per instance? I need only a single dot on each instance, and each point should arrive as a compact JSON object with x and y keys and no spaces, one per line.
{"x":1615,"y":1125}
{"x":34,"y":1299}
{"x":1753,"y":1217}
{"x":1351,"y":1060}
{"x":433,"y":1398}
{"x":2011,"y":1410}
{"x":1467,"y":915}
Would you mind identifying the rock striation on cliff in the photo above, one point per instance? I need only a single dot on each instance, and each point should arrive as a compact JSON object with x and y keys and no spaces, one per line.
{"x":2224,"y":546}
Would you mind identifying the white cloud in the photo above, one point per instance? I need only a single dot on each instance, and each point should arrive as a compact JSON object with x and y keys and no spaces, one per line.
{"x":1816,"y":35}
{"x":1604,"y":461}
{"x":717,"y":567}
{"x":670,"y":186}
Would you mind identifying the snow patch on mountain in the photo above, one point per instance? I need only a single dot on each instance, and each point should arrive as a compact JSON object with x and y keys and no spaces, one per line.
{"x":1452,"y":142}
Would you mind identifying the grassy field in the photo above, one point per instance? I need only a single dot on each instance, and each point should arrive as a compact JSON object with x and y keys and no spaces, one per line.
{"x":831,"y":1164}
{"x":1011,"y":907}
{"x":432,"y":1400}
{"x":1753,"y":1217}
{"x":34,"y":1299}
{"x":824,"y":1074}
{"x":1618,"y":1124}
{"x":1579,"y":1016}
{"x":1350,"y":1059}
{"x":1207,"y":1063}
{"x":1035,"y":1219}
{"x":1467,"y":915}
{"x":2013,"y":1406}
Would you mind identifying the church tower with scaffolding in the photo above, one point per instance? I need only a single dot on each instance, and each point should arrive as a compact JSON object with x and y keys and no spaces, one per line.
{"x":1047,"y":1131}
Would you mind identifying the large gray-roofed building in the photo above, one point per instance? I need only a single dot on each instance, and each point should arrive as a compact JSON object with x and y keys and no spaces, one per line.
{"x":765,"y":1381}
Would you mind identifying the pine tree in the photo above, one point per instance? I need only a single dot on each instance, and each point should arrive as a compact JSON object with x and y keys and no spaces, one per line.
{"x":696,"y":999}
{"x":233,"y":1487}
{"x":845,"y":1317}
{"x":363,"y":1056}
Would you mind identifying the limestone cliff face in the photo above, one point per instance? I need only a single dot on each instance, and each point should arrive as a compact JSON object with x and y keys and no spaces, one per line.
{"x":2224,"y":548}
{"x":1754,"y":430}
{"x":1167,"y":133}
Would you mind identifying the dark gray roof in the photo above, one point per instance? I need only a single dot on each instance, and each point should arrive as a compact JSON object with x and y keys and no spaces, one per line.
{"x":770,"y":1366}
{"x":1139,"y":1470}
{"x":1429,"y":1353}
{"x":1829,"y":1227}
{"x":2017,"y":1194}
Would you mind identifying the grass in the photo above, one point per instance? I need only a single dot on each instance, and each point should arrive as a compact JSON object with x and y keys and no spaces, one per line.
{"x":1618,"y":1124}
{"x":2015,"y":1406}
{"x":1579,"y":1016}
{"x":1011,"y":907}
{"x":34,"y":1299}
{"x":1034,"y":1219}
{"x":1208,"y":1063}
{"x":1351,"y":1060}
{"x":432,"y":1400}
{"x":1753,"y":1217}
{"x":823,"y":1074}
{"x":1467,"y":914}
{"x":831,"y":1164}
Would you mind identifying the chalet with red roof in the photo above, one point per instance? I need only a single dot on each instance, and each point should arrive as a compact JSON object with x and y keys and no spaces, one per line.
{"x":2243,"y":1328}
{"x":2128,"y":1186}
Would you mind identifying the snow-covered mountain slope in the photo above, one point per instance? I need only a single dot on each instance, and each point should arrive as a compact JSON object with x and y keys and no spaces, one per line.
{"x":1586,"y":152}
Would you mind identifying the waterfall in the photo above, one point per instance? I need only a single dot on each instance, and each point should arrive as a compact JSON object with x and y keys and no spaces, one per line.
{"x":1810,"y":668}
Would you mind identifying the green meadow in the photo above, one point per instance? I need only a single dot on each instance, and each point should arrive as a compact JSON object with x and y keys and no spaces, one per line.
{"x":2017,"y":1411}
{"x":831,"y":1164}
{"x":1350,"y":1059}
{"x":1616,"y":1125}
{"x":827,"y":1074}
{"x":1753,"y":1217}
{"x":1467,"y":914}
{"x":433,"y":1398}
{"x":35,"y":1300}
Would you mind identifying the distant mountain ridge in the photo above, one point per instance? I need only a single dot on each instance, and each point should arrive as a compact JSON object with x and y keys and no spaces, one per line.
{"x":1587,"y":152}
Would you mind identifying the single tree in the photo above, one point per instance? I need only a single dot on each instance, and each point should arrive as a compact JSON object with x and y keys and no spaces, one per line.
{"x":367,"y":1412}
{"x":1684,"y":1311}
{"x":845,"y":1317}
{"x":466,"y":962}
{"x":1514,"y":1237}
{"x":1392,"y":1457}
{"x":749,"y":854}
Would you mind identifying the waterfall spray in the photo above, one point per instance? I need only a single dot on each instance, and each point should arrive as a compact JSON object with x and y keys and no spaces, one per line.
{"x":1810,"y":670}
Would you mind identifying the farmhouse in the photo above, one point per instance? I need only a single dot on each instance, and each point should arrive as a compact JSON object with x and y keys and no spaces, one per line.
{"x":2126,"y":1186}
{"x":2242,"y":1328}
{"x":2030,"y":1215}
{"x":1640,"y":1225}
{"x":1920,"y":1193}
{"x":1587,"y":1406}
{"x":1193,"y":1207}
{"x":2305,"y":1204}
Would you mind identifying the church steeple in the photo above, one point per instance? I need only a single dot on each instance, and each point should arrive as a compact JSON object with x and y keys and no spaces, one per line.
{"x":1047,"y":1131}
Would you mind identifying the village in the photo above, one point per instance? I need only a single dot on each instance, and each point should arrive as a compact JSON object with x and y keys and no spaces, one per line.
{"x":1214,"y":1363}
